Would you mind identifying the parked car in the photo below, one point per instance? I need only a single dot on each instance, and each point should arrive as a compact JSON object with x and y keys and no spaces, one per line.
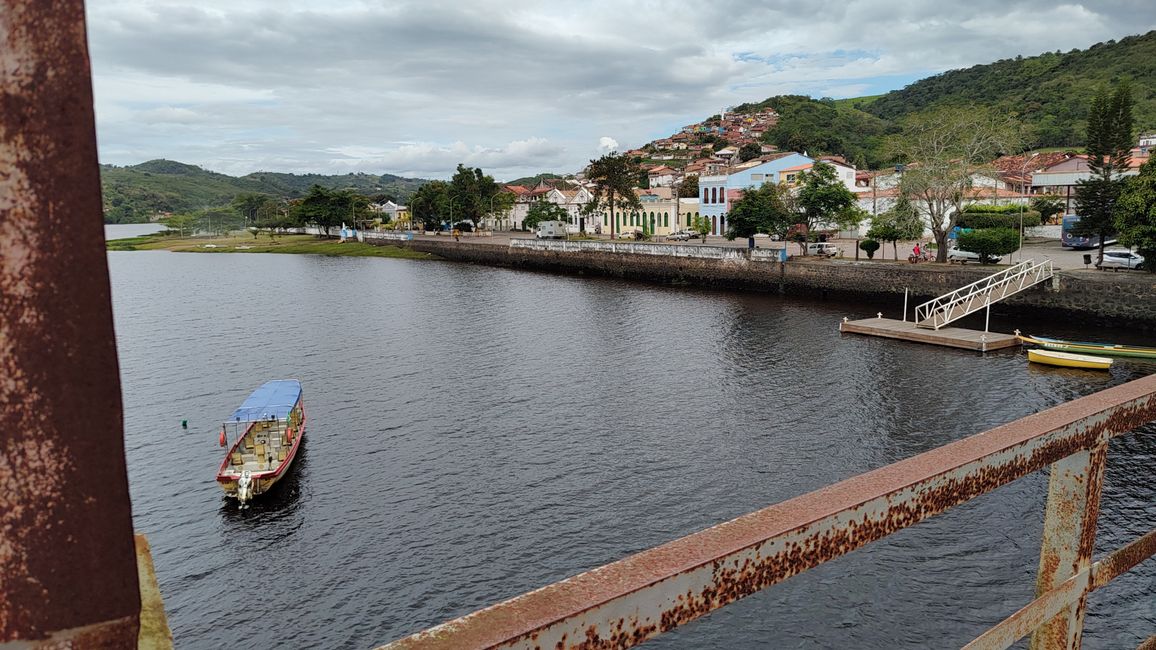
{"x":959,"y":255}
{"x":630,"y":234}
{"x":822,"y":249}
{"x":1120,"y":258}
{"x":682,"y":235}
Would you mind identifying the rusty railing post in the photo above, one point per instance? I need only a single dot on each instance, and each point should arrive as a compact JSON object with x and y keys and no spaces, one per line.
{"x":1069,"y":538}
{"x":68,"y":572}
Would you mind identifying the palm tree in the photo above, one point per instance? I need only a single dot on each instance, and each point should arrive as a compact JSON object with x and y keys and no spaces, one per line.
{"x":615,"y":176}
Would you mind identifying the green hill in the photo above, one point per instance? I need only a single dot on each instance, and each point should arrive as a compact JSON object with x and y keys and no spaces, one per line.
{"x":137,"y":193}
{"x":825,"y":126}
{"x":1050,"y":92}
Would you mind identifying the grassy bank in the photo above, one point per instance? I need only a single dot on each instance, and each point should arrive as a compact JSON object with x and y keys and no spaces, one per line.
{"x":297,"y":244}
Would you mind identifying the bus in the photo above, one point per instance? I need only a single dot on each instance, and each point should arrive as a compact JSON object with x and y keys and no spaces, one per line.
{"x":1070,"y":240}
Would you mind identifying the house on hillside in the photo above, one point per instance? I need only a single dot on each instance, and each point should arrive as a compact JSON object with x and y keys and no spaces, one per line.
{"x":661,"y":176}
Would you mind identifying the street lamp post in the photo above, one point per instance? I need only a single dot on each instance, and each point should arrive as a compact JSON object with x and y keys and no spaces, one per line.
{"x":1023,"y":198}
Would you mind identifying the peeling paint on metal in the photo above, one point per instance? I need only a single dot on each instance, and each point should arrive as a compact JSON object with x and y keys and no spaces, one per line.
{"x":622,"y":604}
{"x":65,"y":518}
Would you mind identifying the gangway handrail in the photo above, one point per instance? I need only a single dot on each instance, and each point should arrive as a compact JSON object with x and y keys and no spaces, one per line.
{"x":622,"y":604}
{"x":937,"y":312}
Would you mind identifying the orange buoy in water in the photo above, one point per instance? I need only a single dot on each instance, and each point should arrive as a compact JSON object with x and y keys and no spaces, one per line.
{"x":222,"y":436}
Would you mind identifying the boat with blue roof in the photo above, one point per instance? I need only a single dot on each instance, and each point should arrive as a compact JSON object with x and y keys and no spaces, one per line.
{"x":263,"y":436}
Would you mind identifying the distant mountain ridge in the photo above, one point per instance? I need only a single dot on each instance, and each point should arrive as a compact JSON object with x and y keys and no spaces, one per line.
{"x":137,"y":193}
{"x":1050,"y":92}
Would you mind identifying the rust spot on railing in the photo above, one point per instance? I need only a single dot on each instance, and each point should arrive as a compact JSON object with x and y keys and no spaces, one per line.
{"x":670,"y":585}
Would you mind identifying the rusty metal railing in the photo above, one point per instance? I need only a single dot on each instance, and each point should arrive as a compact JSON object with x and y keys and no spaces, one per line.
{"x":627,"y":602}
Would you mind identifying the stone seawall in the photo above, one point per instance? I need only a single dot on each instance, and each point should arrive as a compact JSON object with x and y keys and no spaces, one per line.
{"x":1121,"y":299}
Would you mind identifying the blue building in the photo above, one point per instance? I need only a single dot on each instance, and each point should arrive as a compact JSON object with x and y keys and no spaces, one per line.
{"x":716,"y":193}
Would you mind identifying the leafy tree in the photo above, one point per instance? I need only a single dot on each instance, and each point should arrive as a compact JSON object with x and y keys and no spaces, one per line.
{"x":614,"y":176}
{"x":326,"y":208}
{"x":473,"y":192}
{"x":822,"y":198}
{"x":945,"y":148}
{"x":1136,"y":214}
{"x":749,"y":151}
{"x":249,"y":204}
{"x":218,"y":221}
{"x":901,"y":222}
{"x":185,"y":223}
{"x":430,"y":205}
{"x":766,"y":209}
{"x":1048,"y":205}
{"x":544,"y":211}
{"x":701,"y":225}
{"x":688,"y":188}
{"x":1109,"y":151}
{"x":869,"y":246}
{"x":989,"y":242}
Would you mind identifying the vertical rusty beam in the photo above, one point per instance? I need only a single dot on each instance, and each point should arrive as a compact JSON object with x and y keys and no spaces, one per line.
{"x":67,"y":564}
{"x":1069,"y":537}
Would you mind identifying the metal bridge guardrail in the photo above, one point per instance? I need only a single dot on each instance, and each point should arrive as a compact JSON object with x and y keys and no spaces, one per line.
{"x":622,"y":604}
{"x":971,"y":298}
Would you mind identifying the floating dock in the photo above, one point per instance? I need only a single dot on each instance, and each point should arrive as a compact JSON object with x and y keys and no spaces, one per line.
{"x":952,"y":337}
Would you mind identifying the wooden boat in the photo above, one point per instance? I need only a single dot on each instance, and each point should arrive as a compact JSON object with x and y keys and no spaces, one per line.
{"x":1098,"y":349}
{"x":266,"y":432}
{"x":1069,"y":360}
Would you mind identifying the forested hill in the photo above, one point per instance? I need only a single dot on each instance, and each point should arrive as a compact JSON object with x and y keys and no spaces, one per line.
{"x":1050,"y":92}
{"x":136,"y":193}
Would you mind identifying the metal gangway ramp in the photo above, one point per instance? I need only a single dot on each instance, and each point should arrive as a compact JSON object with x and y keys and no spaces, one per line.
{"x":949,"y":307}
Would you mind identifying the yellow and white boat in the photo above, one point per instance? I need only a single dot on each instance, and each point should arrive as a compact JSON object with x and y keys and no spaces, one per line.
{"x":1069,"y":360}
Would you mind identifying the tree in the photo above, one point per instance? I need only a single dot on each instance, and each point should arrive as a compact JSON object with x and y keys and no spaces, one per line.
{"x":767,"y":209}
{"x":473,"y":192}
{"x":989,"y":243}
{"x":1109,"y":152}
{"x":749,"y":151}
{"x":184,"y":223}
{"x":326,"y":208}
{"x":869,"y":246}
{"x":218,"y":221}
{"x":544,"y":211}
{"x":1136,"y":214}
{"x":1048,"y":205}
{"x":614,"y":176}
{"x":249,"y":205}
{"x":823,"y":199}
{"x":688,"y":188}
{"x":944,"y":149}
{"x":900,"y":223}
{"x":429,"y":203}
{"x":701,"y":225}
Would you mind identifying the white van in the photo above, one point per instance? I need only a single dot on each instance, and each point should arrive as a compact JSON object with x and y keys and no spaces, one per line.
{"x":822,"y":249}
{"x":552,"y":230}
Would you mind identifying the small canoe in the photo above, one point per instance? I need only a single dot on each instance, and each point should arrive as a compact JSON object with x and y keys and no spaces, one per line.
{"x":1069,"y":360}
{"x":1098,"y":349}
{"x":265,"y":434}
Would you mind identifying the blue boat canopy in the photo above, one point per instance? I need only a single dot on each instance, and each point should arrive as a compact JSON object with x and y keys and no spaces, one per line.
{"x":275,"y":399}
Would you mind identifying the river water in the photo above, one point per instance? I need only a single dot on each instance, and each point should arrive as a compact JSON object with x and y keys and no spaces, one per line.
{"x":477,"y":432}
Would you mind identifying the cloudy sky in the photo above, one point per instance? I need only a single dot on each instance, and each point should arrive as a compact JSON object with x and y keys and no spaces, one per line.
{"x":516,"y":88}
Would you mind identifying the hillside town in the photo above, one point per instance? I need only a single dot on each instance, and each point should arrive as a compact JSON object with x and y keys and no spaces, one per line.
{"x":723,"y":156}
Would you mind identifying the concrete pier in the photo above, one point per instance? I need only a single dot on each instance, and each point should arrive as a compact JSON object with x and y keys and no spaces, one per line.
{"x":952,"y":337}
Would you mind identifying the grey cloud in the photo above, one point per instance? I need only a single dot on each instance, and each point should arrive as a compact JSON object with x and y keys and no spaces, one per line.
{"x":297,"y":82}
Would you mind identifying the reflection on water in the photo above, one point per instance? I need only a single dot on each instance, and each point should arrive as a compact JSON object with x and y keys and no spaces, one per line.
{"x":477,"y":432}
